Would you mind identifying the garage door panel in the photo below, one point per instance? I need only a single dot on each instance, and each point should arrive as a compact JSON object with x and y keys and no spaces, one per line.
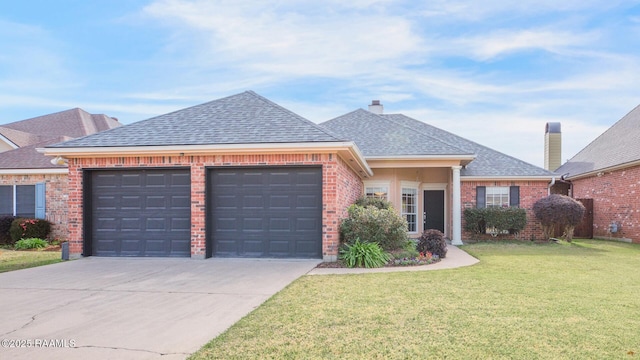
{"x":251,"y":179}
{"x":129,"y":180}
{"x":265,"y":212}
{"x":141,"y":212}
{"x":279,"y":224}
{"x":308,"y":201}
{"x":252,"y":224}
{"x":180,"y":202}
{"x":132,"y":202}
{"x":253,"y":201}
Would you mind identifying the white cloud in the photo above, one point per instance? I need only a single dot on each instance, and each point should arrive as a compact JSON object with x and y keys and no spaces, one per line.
{"x":303,"y":42}
{"x":488,"y":46}
{"x":475,"y":11}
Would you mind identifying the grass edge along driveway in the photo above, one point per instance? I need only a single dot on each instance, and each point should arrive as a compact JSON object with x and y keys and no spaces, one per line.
{"x":523,"y":300}
{"x":15,"y":260}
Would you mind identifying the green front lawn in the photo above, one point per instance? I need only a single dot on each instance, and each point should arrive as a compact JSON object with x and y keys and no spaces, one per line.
{"x":522,"y":301}
{"x":15,"y":260}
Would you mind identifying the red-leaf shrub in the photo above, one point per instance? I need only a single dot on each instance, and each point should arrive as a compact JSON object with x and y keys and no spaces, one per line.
{"x":22,"y":228}
{"x":558,"y":211}
{"x":432,"y":241}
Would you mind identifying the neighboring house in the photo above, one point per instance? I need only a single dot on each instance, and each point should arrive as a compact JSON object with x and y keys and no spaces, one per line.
{"x":608,"y":171}
{"x":30,"y":184}
{"x":243,"y":177}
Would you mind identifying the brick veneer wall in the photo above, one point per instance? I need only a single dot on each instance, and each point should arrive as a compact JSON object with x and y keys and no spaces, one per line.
{"x":340,"y":186}
{"x":530,"y":192}
{"x":616,"y":198}
{"x":55,"y":198}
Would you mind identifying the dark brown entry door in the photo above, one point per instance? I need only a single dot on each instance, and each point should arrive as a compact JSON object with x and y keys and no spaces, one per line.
{"x":433,"y":215}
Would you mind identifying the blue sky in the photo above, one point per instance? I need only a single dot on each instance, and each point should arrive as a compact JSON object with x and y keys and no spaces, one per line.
{"x":492,"y":71}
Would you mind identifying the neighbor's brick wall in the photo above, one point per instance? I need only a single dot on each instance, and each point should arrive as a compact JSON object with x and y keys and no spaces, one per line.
{"x":55,"y":198}
{"x":616,"y":198}
{"x":530,"y":192}
{"x":337,"y":177}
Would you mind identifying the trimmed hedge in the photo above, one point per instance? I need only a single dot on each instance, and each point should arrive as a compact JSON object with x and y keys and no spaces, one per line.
{"x":477,"y":221}
{"x":23,"y":228}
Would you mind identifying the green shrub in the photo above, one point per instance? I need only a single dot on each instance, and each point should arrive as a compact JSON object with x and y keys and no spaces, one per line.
{"x":432,"y":241}
{"x":31,"y":243}
{"x":370,"y":224}
{"x":511,"y":220}
{"x":363,"y":254}
{"x":5,"y":225}
{"x":377,"y":202}
{"x":407,"y":252}
{"x":22,"y":228}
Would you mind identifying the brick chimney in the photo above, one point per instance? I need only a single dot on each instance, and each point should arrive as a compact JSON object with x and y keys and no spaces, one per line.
{"x":552,"y":146}
{"x":376,"y":107}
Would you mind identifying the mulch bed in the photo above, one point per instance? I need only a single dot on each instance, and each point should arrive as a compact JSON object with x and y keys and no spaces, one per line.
{"x":340,"y":264}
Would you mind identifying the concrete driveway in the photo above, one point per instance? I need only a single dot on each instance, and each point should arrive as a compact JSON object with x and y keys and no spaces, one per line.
{"x":104,"y":308}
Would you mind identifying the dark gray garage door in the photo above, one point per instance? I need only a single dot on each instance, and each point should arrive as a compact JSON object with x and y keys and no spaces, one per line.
{"x":140,"y":212}
{"x":265,"y":212}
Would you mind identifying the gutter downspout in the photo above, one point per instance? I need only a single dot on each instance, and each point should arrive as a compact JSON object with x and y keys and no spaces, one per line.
{"x":553,"y":182}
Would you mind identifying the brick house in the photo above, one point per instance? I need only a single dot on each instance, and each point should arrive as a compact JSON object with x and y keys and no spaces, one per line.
{"x":30,"y":184}
{"x":608,"y":171}
{"x":243,"y":177}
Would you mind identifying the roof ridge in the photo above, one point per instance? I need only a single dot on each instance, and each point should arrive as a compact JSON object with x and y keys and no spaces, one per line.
{"x":87,"y":121}
{"x":317,"y":126}
{"x":422,"y":133}
{"x":470,"y":141}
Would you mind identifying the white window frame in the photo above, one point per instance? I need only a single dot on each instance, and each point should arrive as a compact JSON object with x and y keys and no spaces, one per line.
{"x":497,"y":191}
{"x":410,"y":188}
{"x":382,"y":185}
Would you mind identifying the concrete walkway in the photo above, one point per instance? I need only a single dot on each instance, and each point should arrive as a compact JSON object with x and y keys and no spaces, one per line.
{"x":142,"y":308}
{"x":455,"y":258}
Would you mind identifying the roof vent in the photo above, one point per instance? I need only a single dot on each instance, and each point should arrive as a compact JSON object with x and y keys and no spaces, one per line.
{"x":376,"y":107}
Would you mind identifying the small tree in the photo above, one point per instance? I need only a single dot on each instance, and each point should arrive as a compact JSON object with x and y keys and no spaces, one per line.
{"x":558,"y":212}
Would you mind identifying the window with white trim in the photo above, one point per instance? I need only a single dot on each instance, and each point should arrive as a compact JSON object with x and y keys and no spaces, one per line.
{"x":377,"y":192}
{"x":497,"y":196}
{"x":410,"y":207}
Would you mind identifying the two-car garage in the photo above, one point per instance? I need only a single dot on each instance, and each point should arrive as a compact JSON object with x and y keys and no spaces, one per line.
{"x":273,"y":212}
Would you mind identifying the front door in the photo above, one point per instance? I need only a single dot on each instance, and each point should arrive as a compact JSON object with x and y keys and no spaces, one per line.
{"x":433,"y":215}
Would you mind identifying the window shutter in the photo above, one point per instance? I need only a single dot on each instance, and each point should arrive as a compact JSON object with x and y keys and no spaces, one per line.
{"x":40,"y":200}
{"x":514,"y":196}
{"x":481,"y":197}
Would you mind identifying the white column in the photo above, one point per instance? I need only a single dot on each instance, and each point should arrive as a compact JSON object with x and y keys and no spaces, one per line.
{"x":456,"y":238}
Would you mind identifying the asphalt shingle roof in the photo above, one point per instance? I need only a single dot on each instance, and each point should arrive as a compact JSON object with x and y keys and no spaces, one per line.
{"x":245,"y":118}
{"x":378,"y":136}
{"x":73,"y":123}
{"x":27,"y":157}
{"x":408,"y":136}
{"x":48,"y":129}
{"x":619,"y":145}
